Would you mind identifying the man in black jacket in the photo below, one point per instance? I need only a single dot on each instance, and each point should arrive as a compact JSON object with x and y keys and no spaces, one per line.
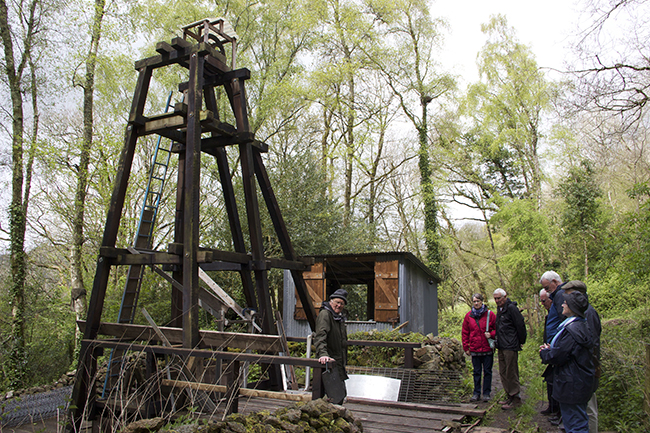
{"x":331,"y":342}
{"x":511,"y":336}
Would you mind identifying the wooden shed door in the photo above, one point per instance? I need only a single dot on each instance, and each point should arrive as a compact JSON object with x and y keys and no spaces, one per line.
{"x":387,"y":291}
{"x":315,"y":282}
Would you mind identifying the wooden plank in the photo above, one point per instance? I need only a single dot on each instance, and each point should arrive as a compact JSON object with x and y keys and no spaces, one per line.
{"x":416,"y":414}
{"x":225,"y":297}
{"x":285,"y":349}
{"x":210,"y":123}
{"x":400,"y":344}
{"x":451,"y":408}
{"x":147,"y":259}
{"x":275,"y":395}
{"x":370,"y":427}
{"x":257,"y":404}
{"x":209,"y":339}
{"x":397,"y":423}
{"x":164,"y":48}
{"x":206,"y":354}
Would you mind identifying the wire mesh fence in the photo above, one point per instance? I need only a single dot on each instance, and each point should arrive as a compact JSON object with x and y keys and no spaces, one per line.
{"x":34,"y":407}
{"x":420,"y":386}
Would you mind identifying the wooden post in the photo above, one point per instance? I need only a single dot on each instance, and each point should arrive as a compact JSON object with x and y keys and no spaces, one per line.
{"x":408,"y":357}
{"x":317,"y":388}
{"x":191,"y":205}
{"x":232,"y":395}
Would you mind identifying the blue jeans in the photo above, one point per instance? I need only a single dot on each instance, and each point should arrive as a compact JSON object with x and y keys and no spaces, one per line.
{"x":483,"y":364}
{"x":574,"y":417}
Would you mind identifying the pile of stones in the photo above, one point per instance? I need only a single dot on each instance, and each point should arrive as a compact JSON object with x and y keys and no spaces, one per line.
{"x":318,"y":416}
{"x":440,"y":353}
{"x":67,"y":379}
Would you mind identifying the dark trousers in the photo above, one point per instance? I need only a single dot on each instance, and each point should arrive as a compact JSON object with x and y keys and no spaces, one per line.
{"x":509,"y":371}
{"x":574,"y":418}
{"x":483,"y":364}
{"x":553,"y":404}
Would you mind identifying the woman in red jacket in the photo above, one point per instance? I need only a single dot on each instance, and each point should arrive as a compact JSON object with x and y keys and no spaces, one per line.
{"x":476,"y":332}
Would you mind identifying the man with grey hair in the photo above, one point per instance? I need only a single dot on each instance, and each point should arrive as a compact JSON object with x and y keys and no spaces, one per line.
{"x":553,"y":405}
{"x":511,"y":336}
{"x":552,"y":284}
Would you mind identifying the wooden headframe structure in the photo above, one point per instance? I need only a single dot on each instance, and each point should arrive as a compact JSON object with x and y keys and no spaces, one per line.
{"x":202,"y":50}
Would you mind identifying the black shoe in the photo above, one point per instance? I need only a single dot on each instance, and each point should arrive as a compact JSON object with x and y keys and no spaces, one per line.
{"x":475,"y":397}
{"x":547,"y":411}
{"x":556,"y":421}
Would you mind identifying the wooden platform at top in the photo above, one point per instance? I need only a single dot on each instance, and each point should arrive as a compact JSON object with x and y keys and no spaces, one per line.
{"x":388,"y":417}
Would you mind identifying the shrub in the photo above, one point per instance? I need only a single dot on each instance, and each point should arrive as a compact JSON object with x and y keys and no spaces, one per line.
{"x":620,"y":394}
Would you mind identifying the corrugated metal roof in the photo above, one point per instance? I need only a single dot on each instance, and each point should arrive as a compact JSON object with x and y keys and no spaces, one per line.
{"x":351,"y":258}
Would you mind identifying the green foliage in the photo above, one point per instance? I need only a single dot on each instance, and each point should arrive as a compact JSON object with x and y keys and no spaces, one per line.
{"x":450,"y":322}
{"x":617,"y":294}
{"x":379,"y":356}
{"x":625,"y":246}
{"x":527,"y":243}
{"x":620,"y":393}
{"x":49,"y":328}
{"x":581,"y":194}
{"x":581,"y":218}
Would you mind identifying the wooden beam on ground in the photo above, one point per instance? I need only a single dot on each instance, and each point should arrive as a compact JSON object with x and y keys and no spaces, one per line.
{"x":455,"y":408}
{"x":246,"y":392}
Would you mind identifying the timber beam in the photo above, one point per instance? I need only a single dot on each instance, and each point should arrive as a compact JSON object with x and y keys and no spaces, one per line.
{"x":209,"y":340}
{"x":122,"y":256}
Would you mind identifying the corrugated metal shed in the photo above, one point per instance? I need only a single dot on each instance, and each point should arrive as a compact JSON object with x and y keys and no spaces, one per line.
{"x":400,"y":288}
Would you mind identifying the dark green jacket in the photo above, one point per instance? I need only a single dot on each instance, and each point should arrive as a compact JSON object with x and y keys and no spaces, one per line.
{"x":331,"y":339}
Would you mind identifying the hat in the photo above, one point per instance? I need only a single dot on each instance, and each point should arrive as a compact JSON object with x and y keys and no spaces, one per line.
{"x":341,"y":294}
{"x":577,"y":302}
{"x":575,"y":285}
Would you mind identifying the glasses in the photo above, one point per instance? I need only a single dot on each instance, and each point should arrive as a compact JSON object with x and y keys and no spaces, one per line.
{"x":496,"y":298}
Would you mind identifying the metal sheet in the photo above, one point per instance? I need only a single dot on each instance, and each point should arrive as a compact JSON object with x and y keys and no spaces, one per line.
{"x":373,"y":387}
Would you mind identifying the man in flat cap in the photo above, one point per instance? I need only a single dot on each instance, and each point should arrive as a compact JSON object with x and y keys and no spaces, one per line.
{"x":331,"y":342}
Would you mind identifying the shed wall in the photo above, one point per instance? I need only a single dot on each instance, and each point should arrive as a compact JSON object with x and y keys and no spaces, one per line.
{"x":419,"y":299}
